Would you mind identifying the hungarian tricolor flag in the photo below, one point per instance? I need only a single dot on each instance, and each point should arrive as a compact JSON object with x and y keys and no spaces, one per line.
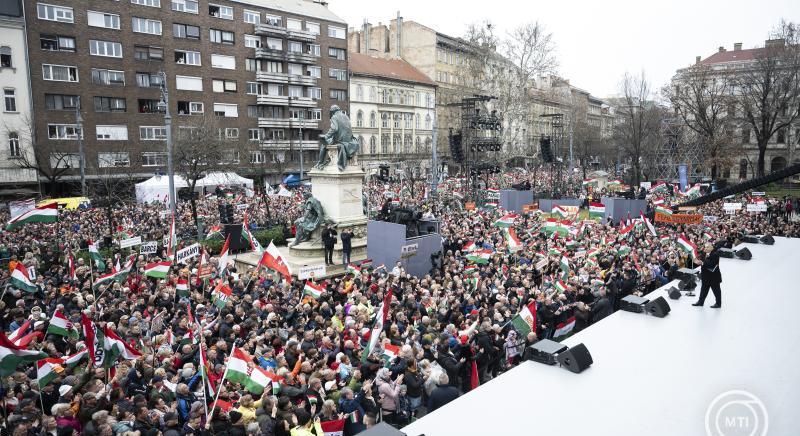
{"x":561,"y":286}
{"x":252,"y":242}
{"x":313,"y":290}
{"x":663,"y":211}
{"x":117,"y":274}
{"x":214,"y":231}
{"x":506,"y":220}
{"x":115,"y":347}
{"x":60,"y":325}
{"x":44,"y":214}
{"x":565,"y":266}
{"x":333,"y":428}
{"x":172,"y":242}
{"x":96,"y":256}
{"x":480,"y":256}
{"x":512,"y":240}
{"x":469,"y":246}
{"x":158,"y":270}
{"x":242,"y":370}
{"x":221,"y":294}
{"x":93,"y":338}
{"x":564,"y":328}
{"x":687,"y":246}
{"x":223,"y":255}
{"x":525,"y":321}
{"x":182,"y":287}
{"x":559,"y":212}
{"x":272,"y":259}
{"x":12,"y":355}
{"x":48,"y":369}
{"x":390,"y":352}
{"x":648,"y":224}
{"x":71,"y":266}
{"x":20,"y":279}
{"x":377,"y":328}
{"x":597,"y":210}
{"x":354,"y":270}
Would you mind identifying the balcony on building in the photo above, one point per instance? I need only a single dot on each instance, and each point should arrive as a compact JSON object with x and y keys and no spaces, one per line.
{"x":271,"y":27}
{"x":302,"y":58}
{"x":302,"y":35}
{"x":302,"y":80}
{"x":285,"y":123}
{"x":264,"y":76}
{"x":273,"y":100}
{"x":286,"y":144}
{"x":270,"y":54}
{"x":302,"y":102}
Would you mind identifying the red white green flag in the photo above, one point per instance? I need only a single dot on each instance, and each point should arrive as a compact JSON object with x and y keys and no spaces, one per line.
{"x":564,"y":328}
{"x":312,"y":289}
{"x":241,"y":369}
{"x":20,"y":279}
{"x":158,"y":270}
{"x":12,"y":355}
{"x":43,"y":214}
{"x":221,"y":294}
{"x":333,"y":428}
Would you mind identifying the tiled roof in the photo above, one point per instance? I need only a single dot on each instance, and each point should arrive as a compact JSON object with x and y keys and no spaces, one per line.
{"x":732,"y":56}
{"x":396,"y":69}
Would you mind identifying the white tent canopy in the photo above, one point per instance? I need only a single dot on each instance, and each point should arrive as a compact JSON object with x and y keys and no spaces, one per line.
{"x":224,"y":179}
{"x":156,"y":188}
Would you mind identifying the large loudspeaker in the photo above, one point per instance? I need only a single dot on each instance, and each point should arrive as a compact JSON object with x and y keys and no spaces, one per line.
{"x":237,"y":244}
{"x":544,"y":147}
{"x":633,"y":303}
{"x":767,"y":239}
{"x":727,"y":253}
{"x":674,"y":293}
{"x":744,"y":254}
{"x":658,"y":307}
{"x":576,"y":359}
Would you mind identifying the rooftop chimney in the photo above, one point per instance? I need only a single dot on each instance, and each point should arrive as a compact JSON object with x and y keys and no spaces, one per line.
{"x":399,"y":24}
{"x":737,"y":46}
{"x":721,"y":49}
{"x":697,"y":59}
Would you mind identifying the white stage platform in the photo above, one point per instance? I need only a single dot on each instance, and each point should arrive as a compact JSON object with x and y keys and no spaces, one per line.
{"x":654,"y":376}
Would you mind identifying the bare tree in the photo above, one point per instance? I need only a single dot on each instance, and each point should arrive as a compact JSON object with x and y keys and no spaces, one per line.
{"x":701,"y":98}
{"x":769,"y":88}
{"x":639,"y":119}
{"x":199,"y":150}
{"x":114,"y":180}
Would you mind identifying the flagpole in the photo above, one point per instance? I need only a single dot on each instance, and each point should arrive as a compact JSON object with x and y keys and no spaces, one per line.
{"x":204,"y":370}
{"x":222,"y":380}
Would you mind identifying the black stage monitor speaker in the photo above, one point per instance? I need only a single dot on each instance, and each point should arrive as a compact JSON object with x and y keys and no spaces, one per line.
{"x":750,"y":239}
{"x":576,"y":359}
{"x":744,"y":254}
{"x":658,"y":307}
{"x":687,"y":284}
{"x":674,"y":293}
{"x":237,"y":244}
{"x":767,"y":239}
{"x":726,"y":253}
{"x":544,"y":351}
{"x":633,"y":303}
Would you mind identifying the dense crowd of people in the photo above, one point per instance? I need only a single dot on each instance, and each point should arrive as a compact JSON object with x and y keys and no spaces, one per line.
{"x":445,"y":333}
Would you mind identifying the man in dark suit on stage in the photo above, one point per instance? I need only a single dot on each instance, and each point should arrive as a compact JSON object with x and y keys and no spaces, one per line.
{"x":710,"y":275}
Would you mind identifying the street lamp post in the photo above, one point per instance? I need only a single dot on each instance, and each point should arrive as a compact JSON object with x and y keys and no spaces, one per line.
{"x":81,"y":156}
{"x":434,"y":160}
{"x":164,"y":105}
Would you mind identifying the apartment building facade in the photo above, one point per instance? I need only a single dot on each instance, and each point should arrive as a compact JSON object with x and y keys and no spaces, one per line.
{"x":261,"y":71}
{"x":15,"y":116}
{"x":392,"y":105}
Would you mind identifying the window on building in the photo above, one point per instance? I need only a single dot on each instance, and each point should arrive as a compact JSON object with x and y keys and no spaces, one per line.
{"x":315,"y":114}
{"x":372,"y":145}
{"x":54,"y":43}
{"x":427,"y":122}
{"x":189,"y":83}
{"x":385,"y":142}
{"x":152,"y":133}
{"x":294,"y":24}
{"x":10,"y":100}
{"x":295,"y":91}
{"x":226,"y":110}
{"x":417,"y":121}
{"x":188,"y":6}
{"x":63,"y":131}
{"x":295,"y":69}
{"x":295,"y":47}
{"x":312,"y":28}
{"x":781,"y":136}
{"x":148,"y":53}
{"x":154,"y":159}
{"x":315,"y":93}
{"x":390,"y":92}
{"x":257,"y":157}
{"x":144,"y":25}
{"x":151,"y":3}
{"x":385,"y":120}
{"x":252,"y":41}
{"x":337,"y":53}
{"x":112,"y":133}
{"x":185,"y":31}
{"x":148,"y":80}
{"x":224,"y":62}
{"x":253,"y":88}
{"x":109,"y":104}
{"x":315,"y":72}
{"x":372,"y":94}
{"x":253,"y":134}
{"x":396,"y":121}
{"x":5,"y":56}
{"x":105,"y":48}
{"x":313,"y":49}
{"x":276,"y":134}
{"x":337,"y":74}
{"x":252,"y":17}
{"x":65,"y":160}
{"x":219,"y":11}
{"x":61,"y":14}
{"x":275,"y":43}
{"x":114,"y":159}
{"x":222,"y":85}
{"x":187,"y":57}
{"x":228,"y":133}
{"x":148,"y":106}
{"x":337,"y":32}
{"x":338,"y":94}
{"x":251,"y":64}
{"x":61,"y":102}
{"x":273,"y":20}
{"x":221,"y":36}
{"x":272,"y":67}
{"x":102,"y":19}
{"x":359,"y":92}
{"x":275,"y":89}
{"x":407,"y":120}
{"x":359,"y":119}
{"x":59,"y":73}
{"x":372,"y":120}
{"x":14,"y":149}
{"x":402,"y":97}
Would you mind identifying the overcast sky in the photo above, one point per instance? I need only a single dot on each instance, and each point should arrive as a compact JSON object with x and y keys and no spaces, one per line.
{"x":598,"y":41}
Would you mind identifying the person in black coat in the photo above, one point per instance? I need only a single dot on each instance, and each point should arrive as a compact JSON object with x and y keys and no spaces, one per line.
{"x":447,"y":360}
{"x":346,"y":238}
{"x":328,"y":241}
{"x":444,"y":393}
{"x":710,"y":275}
{"x":602,"y":307}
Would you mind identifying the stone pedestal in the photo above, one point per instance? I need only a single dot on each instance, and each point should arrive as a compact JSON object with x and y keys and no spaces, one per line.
{"x":340,"y":193}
